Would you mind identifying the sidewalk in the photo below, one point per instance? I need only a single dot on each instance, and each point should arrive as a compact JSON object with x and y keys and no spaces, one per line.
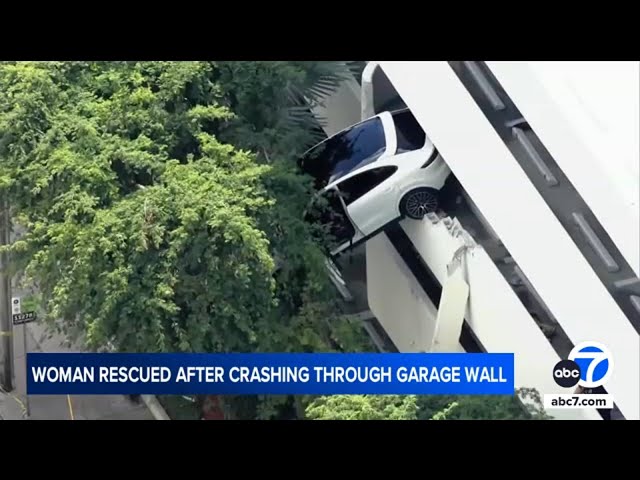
{"x":13,"y":405}
{"x":59,"y":407}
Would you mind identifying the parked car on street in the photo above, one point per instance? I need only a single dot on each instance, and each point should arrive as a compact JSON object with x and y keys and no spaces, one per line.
{"x":371,"y":174}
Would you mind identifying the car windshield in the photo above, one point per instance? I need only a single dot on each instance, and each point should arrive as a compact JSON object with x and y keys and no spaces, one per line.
{"x":345,"y":152}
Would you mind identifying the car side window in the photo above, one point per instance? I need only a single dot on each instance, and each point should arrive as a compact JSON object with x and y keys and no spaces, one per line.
{"x":409,"y":133}
{"x":355,"y":187}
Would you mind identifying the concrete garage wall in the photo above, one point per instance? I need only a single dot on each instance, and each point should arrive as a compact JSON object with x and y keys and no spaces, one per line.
{"x":551,"y":261}
{"x":496,"y":315}
{"x":588,"y":111}
{"x":396,"y":299}
{"x":494,"y":312}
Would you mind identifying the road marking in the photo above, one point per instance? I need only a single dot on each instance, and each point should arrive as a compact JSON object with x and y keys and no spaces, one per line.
{"x":16,"y":399}
{"x":70,"y":407}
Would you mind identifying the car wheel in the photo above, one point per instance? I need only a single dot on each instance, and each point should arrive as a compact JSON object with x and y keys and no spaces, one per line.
{"x":417,"y":203}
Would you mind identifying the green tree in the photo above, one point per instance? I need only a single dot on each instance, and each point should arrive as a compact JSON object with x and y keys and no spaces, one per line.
{"x":162,"y":208}
{"x":363,"y":407}
{"x":480,"y":407}
{"x":371,"y":407}
{"x":433,"y":407}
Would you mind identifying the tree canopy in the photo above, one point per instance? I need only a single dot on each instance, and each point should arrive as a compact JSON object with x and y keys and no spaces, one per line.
{"x":363,"y":407}
{"x":161,"y":205}
{"x":426,"y":407}
{"x":371,"y":407}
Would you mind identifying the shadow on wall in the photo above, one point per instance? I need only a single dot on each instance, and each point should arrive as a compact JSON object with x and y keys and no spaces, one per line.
{"x":385,"y":96}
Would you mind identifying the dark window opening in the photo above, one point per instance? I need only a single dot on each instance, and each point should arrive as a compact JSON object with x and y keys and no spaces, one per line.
{"x":409,"y":133}
{"x":355,"y":187}
{"x":345,"y":152}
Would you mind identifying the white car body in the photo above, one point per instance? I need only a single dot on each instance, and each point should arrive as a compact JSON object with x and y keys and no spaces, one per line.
{"x":374,"y":181}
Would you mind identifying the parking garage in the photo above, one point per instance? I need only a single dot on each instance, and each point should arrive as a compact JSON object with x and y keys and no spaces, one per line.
{"x":448,"y":282}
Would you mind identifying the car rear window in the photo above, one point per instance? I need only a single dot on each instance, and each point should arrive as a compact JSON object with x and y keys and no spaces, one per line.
{"x":409,"y":133}
{"x":345,"y":152}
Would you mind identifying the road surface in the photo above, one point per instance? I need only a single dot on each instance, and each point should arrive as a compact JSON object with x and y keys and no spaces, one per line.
{"x":59,"y":407}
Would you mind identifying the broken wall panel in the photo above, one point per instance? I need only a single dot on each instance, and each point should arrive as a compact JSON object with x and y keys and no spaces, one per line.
{"x":494,"y":312}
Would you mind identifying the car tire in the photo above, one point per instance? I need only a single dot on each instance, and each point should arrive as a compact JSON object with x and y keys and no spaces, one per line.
{"x":418,"y":202}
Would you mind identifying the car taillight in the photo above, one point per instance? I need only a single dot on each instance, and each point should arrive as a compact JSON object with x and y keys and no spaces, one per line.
{"x":431,"y":158}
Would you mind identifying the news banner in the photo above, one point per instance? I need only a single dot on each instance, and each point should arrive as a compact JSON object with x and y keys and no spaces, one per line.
{"x":270,"y":373}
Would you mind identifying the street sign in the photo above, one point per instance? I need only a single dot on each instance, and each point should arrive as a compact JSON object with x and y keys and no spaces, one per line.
{"x":20,"y":318}
{"x":15,"y":305}
{"x":26,"y":317}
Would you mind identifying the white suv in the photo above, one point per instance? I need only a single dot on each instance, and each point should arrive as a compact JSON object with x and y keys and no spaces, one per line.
{"x":373,"y":173}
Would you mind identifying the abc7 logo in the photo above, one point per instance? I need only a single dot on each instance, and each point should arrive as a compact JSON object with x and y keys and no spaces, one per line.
{"x":590,"y":365}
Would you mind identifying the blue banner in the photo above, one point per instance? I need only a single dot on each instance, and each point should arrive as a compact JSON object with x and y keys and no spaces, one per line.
{"x":270,"y":373}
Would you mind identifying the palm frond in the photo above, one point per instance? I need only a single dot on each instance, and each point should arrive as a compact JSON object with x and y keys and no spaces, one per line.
{"x":302,"y":116}
{"x":356,"y":68}
{"x":321,"y":80}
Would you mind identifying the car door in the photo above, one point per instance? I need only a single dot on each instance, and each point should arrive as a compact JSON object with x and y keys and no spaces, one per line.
{"x":370,"y":198}
{"x":327,"y":211}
